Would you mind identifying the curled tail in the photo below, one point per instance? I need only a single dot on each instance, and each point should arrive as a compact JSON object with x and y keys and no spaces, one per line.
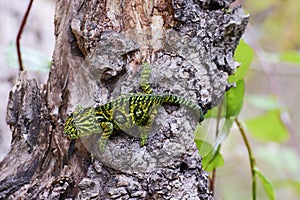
{"x":171,"y":98}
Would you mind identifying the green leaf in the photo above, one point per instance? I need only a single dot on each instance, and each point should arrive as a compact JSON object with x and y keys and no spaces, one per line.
{"x":213,"y":113}
{"x":266,"y":184}
{"x":268,"y":127}
{"x":32,"y":60}
{"x":234,"y":99}
{"x":211,"y":156}
{"x":290,"y":56}
{"x":263,"y":102}
{"x":209,"y":160}
{"x":224,"y":133}
{"x":210,"y":164}
{"x":244,"y":55}
{"x":204,"y":148}
{"x":232,"y":104}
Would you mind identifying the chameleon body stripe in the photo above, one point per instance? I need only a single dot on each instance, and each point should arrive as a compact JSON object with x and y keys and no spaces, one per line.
{"x":144,"y":81}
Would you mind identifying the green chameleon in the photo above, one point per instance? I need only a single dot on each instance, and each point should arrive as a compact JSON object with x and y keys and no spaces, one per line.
{"x":122,"y":114}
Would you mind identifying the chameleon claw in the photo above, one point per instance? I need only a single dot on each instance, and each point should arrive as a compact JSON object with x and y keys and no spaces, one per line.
{"x":102,"y":145}
{"x":143,"y":141}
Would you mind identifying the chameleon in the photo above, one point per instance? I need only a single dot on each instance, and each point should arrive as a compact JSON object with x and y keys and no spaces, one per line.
{"x":124,"y":113}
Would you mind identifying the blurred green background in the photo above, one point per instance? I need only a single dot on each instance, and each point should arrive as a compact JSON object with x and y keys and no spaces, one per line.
{"x":271,"y":111}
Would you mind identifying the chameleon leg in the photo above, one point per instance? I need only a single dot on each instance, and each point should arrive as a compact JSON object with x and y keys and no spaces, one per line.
{"x":144,"y":134}
{"x":144,"y":81}
{"x":144,"y":130}
{"x":107,"y":131}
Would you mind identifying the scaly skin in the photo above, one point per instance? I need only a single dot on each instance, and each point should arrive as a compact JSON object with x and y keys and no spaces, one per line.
{"x":125,"y":113}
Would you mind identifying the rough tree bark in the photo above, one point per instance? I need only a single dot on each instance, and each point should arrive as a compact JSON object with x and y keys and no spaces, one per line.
{"x":100,"y":46}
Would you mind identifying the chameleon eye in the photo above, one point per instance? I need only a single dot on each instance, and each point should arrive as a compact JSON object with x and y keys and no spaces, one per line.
{"x":100,"y":118}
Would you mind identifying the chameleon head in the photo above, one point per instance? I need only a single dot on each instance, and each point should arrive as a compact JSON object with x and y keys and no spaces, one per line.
{"x":82,"y":122}
{"x":70,"y":129}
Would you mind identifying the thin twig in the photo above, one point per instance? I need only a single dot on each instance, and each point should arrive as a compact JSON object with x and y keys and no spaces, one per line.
{"x":251,"y":157}
{"x":20,"y":34}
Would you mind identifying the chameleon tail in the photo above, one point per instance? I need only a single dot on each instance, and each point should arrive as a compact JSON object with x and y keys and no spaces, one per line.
{"x":170,"y":98}
{"x":144,"y":81}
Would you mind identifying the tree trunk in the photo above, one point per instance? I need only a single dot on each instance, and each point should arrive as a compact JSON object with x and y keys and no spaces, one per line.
{"x":100,"y":46}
